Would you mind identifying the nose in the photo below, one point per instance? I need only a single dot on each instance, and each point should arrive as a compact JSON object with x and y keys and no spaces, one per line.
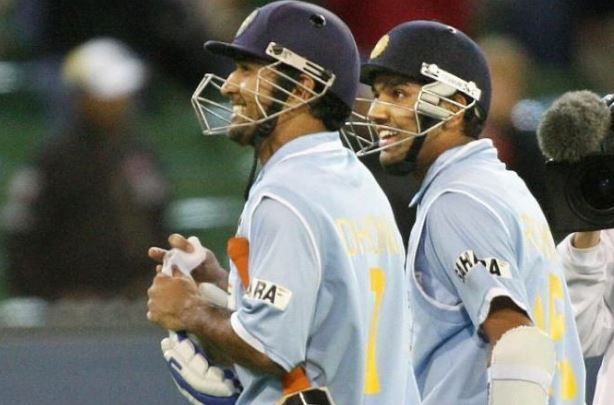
{"x":378,"y":111}
{"x":230,"y":85}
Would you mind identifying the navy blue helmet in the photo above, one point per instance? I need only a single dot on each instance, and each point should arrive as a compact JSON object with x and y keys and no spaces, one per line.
{"x":308,"y":30}
{"x":408,"y":46}
{"x":441,"y":58}
{"x":291,"y":33}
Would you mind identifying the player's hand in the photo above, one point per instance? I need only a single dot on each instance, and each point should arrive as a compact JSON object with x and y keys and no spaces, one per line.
{"x":170,"y":300}
{"x":186,"y":254}
{"x":586,"y":240}
{"x":202,"y":263}
{"x":175,"y":240}
{"x":195,"y":377}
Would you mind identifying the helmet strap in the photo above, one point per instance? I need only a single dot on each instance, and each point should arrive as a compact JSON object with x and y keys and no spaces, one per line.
{"x":408,"y":164}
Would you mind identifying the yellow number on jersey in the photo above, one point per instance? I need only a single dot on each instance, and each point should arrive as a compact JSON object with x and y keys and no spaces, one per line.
{"x":554,"y":325}
{"x":378,"y":285}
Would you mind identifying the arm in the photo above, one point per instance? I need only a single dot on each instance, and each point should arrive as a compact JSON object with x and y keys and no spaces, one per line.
{"x":175,"y":304}
{"x":257,"y":334}
{"x":522,"y":367}
{"x":584,"y":259}
{"x":504,"y":315}
{"x":475,"y":260}
{"x":488,"y":281}
{"x":586,"y":240}
{"x":522,"y":362}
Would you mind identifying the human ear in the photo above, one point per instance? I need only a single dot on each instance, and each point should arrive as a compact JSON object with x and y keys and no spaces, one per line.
{"x":305,"y":88}
{"x":456,"y":119}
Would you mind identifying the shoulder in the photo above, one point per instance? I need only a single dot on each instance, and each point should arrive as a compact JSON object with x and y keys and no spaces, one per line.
{"x":465,"y":216}
{"x":273,"y":211}
{"x":458,"y":205}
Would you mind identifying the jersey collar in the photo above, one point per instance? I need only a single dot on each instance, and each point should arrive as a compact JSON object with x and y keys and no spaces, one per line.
{"x":451,"y":157}
{"x":313,"y":143}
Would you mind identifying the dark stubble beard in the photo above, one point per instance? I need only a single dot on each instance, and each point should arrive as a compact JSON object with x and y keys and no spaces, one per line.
{"x":243,"y":135}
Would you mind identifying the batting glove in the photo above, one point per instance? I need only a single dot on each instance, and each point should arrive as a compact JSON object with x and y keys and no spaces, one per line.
{"x":186,"y":262}
{"x":195,"y":377}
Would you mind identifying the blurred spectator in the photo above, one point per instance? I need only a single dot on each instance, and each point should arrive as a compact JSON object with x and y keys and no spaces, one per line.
{"x":165,"y":32}
{"x":369,"y":20}
{"x":510,"y":69}
{"x":79,"y":221}
{"x":569,"y":40}
{"x":222,"y":17}
{"x":594,"y":47}
{"x":512,"y":120}
{"x":543,"y":27}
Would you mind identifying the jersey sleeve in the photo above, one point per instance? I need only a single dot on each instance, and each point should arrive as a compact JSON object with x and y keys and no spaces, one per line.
{"x":470,"y":250}
{"x":586,"y":276}
{"x":275,"y":313}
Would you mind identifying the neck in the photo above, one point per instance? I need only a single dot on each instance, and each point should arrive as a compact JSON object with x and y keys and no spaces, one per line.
{"x":289,"y":127}
{"x":435,"y":145}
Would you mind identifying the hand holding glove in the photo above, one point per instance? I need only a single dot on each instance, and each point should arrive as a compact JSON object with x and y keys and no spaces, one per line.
{"x":196,"y":378}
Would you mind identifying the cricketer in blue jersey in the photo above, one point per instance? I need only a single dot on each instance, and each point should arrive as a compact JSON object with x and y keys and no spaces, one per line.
{"x":492,"y":317}
{"x":318,"y":310}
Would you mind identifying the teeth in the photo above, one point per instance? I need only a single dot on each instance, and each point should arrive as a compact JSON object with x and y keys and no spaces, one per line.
{"x":386,"y":134}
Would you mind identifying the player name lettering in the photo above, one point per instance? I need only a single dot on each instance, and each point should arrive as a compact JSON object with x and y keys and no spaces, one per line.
{"x":468,"y":260}
{"x":370,"y":235}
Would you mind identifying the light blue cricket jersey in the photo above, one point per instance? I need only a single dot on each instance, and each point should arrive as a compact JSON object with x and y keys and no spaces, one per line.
{"x":470,"y":209}
{"x":327,"y":275}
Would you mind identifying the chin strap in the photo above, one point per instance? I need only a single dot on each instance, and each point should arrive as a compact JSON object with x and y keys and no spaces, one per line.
{"x":408,"y":164}
{"x":252,"y":175}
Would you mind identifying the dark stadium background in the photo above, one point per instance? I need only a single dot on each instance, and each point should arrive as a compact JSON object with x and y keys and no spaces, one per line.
{"x":106,"y":352}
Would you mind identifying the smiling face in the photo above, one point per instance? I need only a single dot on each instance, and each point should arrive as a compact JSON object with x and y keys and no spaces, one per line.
{"x":393,"y":108}
{"x":393,"y":115}
{"x":249,"y":95}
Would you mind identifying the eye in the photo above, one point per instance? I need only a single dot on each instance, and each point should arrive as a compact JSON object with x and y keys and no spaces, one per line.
{"x":398,"y":93}
{"x":246,"y":66}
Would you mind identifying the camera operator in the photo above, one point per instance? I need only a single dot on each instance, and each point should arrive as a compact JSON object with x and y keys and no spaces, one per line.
{"x":588,"y":258}
{"x":576,"y":135}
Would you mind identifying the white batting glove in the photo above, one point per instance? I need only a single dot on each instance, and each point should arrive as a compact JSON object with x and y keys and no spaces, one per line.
{"x":195,"y":377}
{"x":186,"y":262}
{"x":214,"y":295}
{"x":197,"y":380}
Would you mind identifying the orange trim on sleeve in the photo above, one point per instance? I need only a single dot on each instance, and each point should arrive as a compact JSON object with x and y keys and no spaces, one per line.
{"x":295,"y":381}
{"x":238,"y":251}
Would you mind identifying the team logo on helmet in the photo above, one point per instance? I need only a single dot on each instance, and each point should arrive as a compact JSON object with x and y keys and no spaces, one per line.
{"x":380,"y":47}
{"x":247,"y":22}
